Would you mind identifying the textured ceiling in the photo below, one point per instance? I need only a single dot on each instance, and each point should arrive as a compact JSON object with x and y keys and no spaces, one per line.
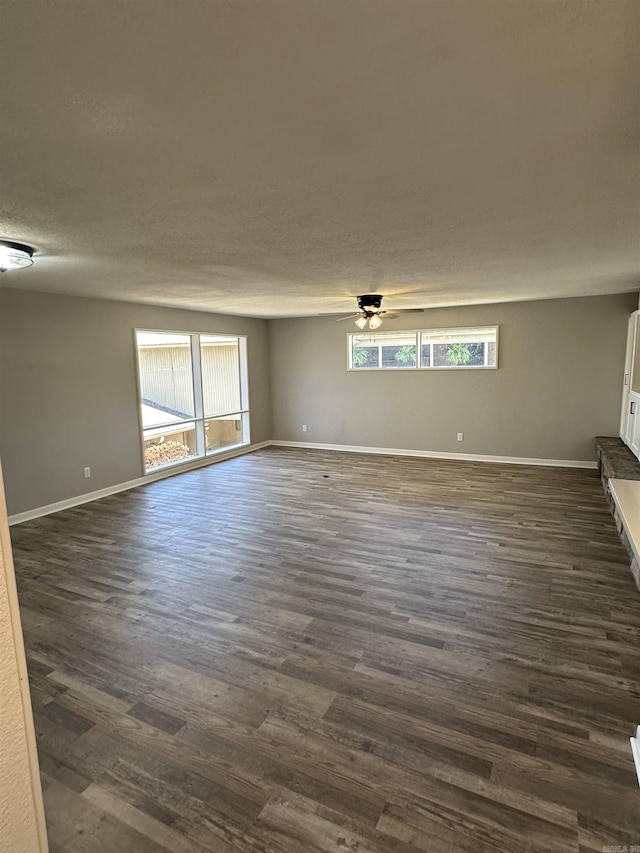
{"x":277,"y":158}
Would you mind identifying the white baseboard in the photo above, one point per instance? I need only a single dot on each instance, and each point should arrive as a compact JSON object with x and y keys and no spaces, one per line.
{"x":19,"y":517}
{"x":435,"y":454}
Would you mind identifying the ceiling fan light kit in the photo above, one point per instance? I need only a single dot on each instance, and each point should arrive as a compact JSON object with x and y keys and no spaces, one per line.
{"x":369,"y":311}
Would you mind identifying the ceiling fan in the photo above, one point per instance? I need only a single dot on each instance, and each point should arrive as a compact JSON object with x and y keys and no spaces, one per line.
{"x":370,"y":313}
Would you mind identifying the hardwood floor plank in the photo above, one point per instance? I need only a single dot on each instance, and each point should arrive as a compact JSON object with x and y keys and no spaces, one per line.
{"x":293,"y":766}
{"x":152,"y":829}
{"x":452,"y":813}
{"x":312,"y":832}
{"x":156,"y":717}
{"x":77,"y":826}
{"x":392,"y":768}
{"x":297,"y":651}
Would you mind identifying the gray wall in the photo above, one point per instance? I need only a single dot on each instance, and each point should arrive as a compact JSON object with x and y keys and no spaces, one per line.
{"x":558,"y":383}
{"x":68,"y":395}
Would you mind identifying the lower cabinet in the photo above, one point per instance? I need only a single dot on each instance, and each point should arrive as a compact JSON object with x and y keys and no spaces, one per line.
{"x":630,"y":412}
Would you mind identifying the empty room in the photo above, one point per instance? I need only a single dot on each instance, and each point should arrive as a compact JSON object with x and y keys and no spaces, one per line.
{"x":319,"y":426}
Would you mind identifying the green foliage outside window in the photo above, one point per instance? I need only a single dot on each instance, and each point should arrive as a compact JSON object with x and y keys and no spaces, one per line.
{"x":359,"y":356}
{"x":458,"y":354}
{"x":406,"y":354}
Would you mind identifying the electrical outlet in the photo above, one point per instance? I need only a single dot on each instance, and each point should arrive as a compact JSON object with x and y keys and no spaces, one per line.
{"x":304,"y":427}
{"x":87,"y":471}
{"x":460,"y":436}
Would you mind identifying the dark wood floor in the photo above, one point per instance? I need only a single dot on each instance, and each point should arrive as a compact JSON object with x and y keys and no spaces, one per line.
{"x":302,"y":651}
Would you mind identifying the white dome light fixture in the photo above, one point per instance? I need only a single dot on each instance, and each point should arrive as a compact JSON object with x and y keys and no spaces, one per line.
{"x":15,"y":256}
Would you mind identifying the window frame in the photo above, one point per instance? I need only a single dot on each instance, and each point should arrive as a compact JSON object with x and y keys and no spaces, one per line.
{"x":417,"y":335}
{"x":199,"y":420}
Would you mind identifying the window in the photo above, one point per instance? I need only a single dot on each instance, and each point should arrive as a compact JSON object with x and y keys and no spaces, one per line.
{"x":432,"y":349}
{"x":386,"y":350}
{"x":193,"y":397}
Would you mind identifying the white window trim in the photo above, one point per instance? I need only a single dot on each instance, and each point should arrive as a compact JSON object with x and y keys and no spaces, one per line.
{"x":198,"y":395}
{"x":417,"y":366}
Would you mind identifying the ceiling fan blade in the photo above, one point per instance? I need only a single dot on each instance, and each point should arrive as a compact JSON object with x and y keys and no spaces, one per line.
{"x":397,"y":312}
{"x":349,"y":317}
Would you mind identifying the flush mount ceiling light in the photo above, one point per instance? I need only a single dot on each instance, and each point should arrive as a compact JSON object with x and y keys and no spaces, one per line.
{"x":15,"y":256}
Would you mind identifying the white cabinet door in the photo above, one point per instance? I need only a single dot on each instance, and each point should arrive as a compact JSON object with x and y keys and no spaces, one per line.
{"x":628,"y":420}
{"x":633,"y":427}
